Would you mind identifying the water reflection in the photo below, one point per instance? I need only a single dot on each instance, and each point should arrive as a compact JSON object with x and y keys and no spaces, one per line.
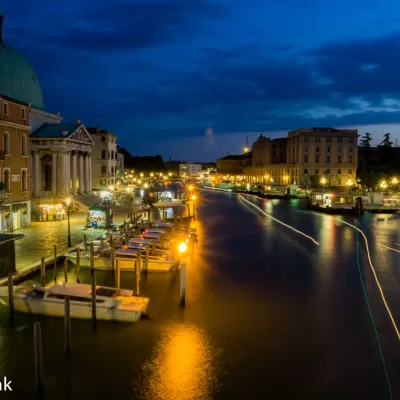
{"x":182,"y":366}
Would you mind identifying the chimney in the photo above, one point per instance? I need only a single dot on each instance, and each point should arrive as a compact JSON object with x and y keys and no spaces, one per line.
{"x":1,"y":26}
{"x":78,"y":121}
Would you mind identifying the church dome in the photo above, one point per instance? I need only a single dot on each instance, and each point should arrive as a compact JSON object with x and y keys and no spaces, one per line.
{"x":17,"y":78}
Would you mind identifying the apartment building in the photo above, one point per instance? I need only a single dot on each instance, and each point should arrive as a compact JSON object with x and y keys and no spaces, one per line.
{"x":104,"y":158}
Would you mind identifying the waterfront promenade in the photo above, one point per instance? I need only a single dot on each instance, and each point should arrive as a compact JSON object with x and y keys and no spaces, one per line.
{"x":40,"y":238}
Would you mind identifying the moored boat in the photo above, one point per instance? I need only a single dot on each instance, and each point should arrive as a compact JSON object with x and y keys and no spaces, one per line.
{"x":111,"y":304}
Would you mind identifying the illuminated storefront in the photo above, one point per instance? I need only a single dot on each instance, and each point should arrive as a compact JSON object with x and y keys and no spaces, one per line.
{"x":51,"y":212}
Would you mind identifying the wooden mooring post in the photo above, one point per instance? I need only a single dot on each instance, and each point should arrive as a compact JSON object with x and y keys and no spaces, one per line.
{"x":67,"y":325}
{"x":43,"y":271}
{"x":137,"y":272}
{"x":66,"y":269}
{"x":182,"y":281}
{"x":37,"y":339}
{"x":93,"y":282}
{"x":55,"y":264}
{"x":112,"y":256}
{"x":78,"y":264}
{"x":147,"y":256}
{"x":117,"y":274}
{"x":10,"y":296}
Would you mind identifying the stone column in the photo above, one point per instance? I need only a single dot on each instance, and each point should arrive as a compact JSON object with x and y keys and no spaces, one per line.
{"x":87,"y":173}
{"x":54,"y":174}
{"x":81,"y":177}
{"x":37,"y":180}
{"x":67,"y":157}
{"x":73,"y":172}
{"x":60,"y":174}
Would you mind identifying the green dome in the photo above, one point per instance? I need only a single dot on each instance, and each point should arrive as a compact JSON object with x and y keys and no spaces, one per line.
{"x":17,"y":78}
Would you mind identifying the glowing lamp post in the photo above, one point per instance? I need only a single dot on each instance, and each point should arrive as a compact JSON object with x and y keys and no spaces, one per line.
{"x":349,"y":184}
{"x":194,"y":205}
{"x":395,"y":182}
{"x":128,"y":190}
{"x":383,"y":185}
{"x":68,"y":203}
{"x":323,"y":182}
{"x":182,"y":273}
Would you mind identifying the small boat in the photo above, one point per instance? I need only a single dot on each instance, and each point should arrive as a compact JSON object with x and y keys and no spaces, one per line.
{"x":111,"y":304}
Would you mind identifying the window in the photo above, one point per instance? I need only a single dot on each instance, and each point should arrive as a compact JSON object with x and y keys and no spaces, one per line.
{"x":305,"y":158}
{"x":23,"y":113}
{"x":351,"y":140}
{"x":328,"y":140}
{"x":327,"y":172}
{"x":339,"y":149}
{"x":5,"y":108}
{"x":305,"y":149}
{"x":339,"y":181}
{"x":317,"y":139}
{"x":317,"y":149}
{"x":317,"y":159}
{"x":24,"y":181}
{"x":103,"y":169}
{"x":328,"y":148}
{"x":306,"y":139}
{"x":103,"y":182}
{"x":350,"y":171}
{"x":317,"y":172}
{"x":350,"y":149}
{"x":103,"y":138}
{"x":6,"y":143}
{"x":328,"y":159}
{"x":306,"y":172}
{"x":103,"y":154}
{"x":339,"y":159}
{"x":7,"y":180}
{"x":340,"y":140}
{"x":339,"y":171}
{"x":350,"y":159}
{"x":23,"y":145}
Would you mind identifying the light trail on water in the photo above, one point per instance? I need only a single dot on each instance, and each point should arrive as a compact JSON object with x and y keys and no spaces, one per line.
{"x":278,"y":221}
{"x":370,"y":264}
{"x":387,"y":247}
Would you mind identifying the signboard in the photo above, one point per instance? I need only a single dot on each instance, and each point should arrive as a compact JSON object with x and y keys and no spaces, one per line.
{"x":15,"y":178}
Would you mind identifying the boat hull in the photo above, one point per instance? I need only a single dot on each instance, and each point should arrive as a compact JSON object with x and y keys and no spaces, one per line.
{"x":77,"y":309}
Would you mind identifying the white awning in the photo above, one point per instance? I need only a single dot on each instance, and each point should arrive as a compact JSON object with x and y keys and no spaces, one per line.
{"x":168,"y":204}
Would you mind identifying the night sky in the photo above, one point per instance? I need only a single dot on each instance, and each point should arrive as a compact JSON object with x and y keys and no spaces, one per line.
{"x":158,"y":73}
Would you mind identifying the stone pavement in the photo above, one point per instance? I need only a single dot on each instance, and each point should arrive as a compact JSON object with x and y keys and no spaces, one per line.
{"x":41,"y":237}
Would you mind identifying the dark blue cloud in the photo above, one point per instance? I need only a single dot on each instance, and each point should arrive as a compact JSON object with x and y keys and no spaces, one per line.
{"x":159,"y":69}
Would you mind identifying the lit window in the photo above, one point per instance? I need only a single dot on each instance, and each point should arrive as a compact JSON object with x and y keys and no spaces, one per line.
{"x":340,"y":140}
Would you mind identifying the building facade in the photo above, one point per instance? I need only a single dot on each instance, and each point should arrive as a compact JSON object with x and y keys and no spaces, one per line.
{"x":232,"y":167}
{"x":189,"y":170}
{"x":120,"y":165}
{"x":306,"y":156}
{"x":104,"y":158}
{"x":61,"y":161}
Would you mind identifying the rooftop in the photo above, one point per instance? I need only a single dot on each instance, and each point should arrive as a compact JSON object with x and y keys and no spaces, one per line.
{"x":63,"y":129}
{"x":244,"y":156}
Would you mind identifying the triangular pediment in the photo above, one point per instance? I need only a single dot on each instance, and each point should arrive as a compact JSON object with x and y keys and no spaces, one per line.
{"x":82,"y":135}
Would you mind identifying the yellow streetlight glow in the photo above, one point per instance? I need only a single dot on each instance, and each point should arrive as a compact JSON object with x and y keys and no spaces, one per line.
{"x":395,"y":181}
{"x":190,"y":187}
{"x":151,"y":174}
{"x":68,"y":201}
{"x":246,"y":149}
{"x":349,"y":182}
{"x":141,"y":174}
{"x":383,"y":185}
{"x":146,"y":185}
{"x":323,"y":181}
{"x":182,"y":247}
{"x":193,"y":197}
{"x":139,"y":181}
{"x":111,"y":188}
{"x":169,"y":173}
{"x":128,"y":189}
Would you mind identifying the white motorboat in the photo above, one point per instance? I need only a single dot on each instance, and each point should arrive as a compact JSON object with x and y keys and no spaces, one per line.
{"x":111,"y":304}
{"x":127,"y":259}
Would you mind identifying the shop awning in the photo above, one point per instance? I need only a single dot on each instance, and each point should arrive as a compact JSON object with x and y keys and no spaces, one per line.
{"x":168,"y":204}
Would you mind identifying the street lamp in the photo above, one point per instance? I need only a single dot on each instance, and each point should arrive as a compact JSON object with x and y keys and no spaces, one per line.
{"x":349,"y":184}
{"x":190,"y":187}
{"x":395,"y":182}
{"x":182,"y":273}
{"x":68,"y":203}
{"x":194,"y":205}
{"x":128,"y":190}
{"x":323,"y":181}
{"x":383,"y":185}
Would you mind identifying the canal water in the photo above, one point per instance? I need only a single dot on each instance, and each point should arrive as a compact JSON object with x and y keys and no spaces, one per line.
{"x":270,"y":314}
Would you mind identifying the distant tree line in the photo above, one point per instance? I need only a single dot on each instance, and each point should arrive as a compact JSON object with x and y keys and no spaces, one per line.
{"x":377,"y":163}
{"x":142,"y":164}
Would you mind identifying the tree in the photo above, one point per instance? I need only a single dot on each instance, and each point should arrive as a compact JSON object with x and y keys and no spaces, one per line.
{"x":366,"y":140}
{"x":386,"y":141}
